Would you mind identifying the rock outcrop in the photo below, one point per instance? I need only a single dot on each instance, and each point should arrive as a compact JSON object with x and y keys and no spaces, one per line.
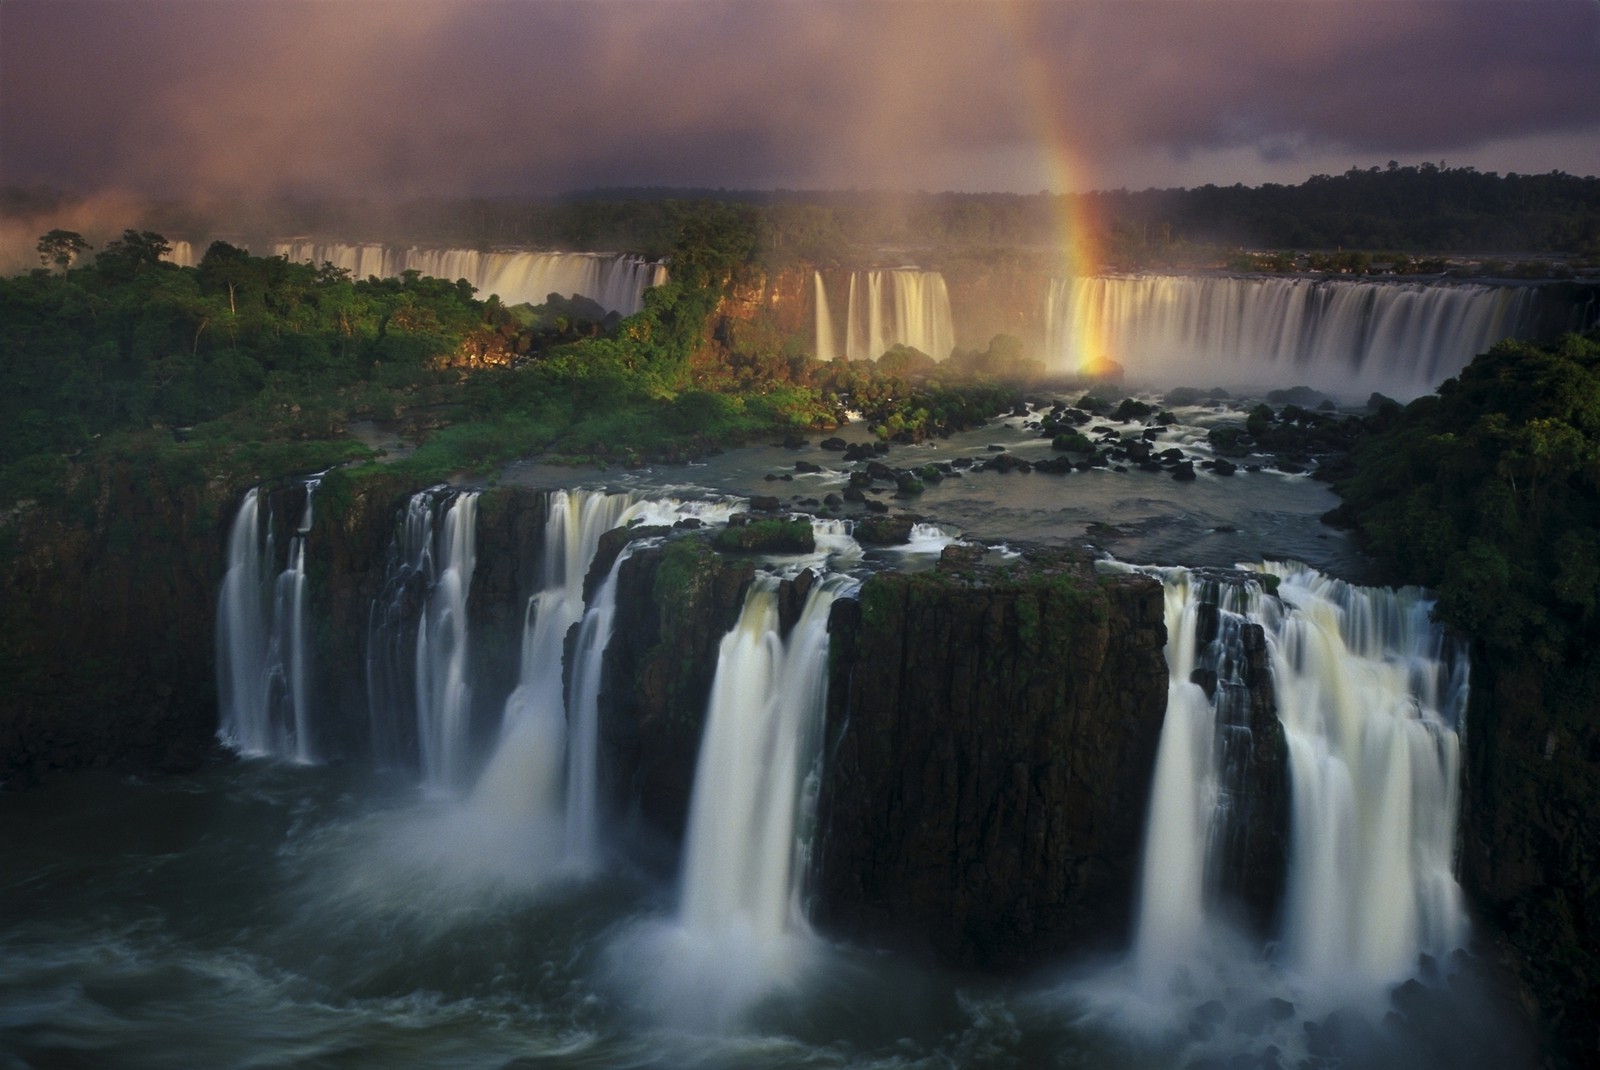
{"x":107,"y":626}
{"x":675,"y":602}
{"x":1254,"y":852}
{"x":991,"y":738}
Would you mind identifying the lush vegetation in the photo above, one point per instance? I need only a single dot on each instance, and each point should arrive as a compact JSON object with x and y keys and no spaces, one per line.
{"x":245,"y":367}
{"x":1489,"y":493}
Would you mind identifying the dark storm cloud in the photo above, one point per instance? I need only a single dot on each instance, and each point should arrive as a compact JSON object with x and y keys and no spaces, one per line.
{"x":414,"y":96}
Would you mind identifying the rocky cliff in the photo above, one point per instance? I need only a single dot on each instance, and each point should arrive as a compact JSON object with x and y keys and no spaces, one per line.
{"x":991,"y":738}
{"x":107,"y":624}
{"x":674,"y":604}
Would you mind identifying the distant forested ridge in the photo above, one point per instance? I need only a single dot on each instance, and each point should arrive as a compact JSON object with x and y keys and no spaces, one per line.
{"x":1424,"y":208}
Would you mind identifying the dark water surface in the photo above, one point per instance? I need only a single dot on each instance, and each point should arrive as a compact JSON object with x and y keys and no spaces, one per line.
{"x":262,"y":914}
{"x":271,"y":915}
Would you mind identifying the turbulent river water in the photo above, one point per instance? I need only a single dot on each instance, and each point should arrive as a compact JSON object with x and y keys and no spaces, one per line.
{"x":270,"y":912}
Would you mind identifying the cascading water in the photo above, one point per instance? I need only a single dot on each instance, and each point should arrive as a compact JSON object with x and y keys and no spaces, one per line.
{"x":443,"y":688}
{"x":242,"y":632}
{"x":392,"y":626}
{"x":547,"y":760}
{"x":615,"y":282}
{"x":763,"y":726}
{"x":583,"y":714}
{"x":1369,"y":693}
{"x":740,"y":933}
{"x":527,"y":769}
{"x":827,"y":348}
{"x":181,"y":253}
{"x":263,"y":655}
{"x":1345,"y":337}
{"x":889,"y":308}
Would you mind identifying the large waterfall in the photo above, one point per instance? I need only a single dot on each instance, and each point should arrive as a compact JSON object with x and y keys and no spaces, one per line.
{"x":263,"y":660}
{"x":1370,"y":694}
{"x":616,"y":282}
{"x":1344,"y":337}
{"x":885,"y":309}
{"x":740,"y":934}
{"x":1297,"y":867}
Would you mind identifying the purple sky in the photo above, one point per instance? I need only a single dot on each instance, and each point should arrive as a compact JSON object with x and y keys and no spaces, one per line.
{"x":404,"y":97}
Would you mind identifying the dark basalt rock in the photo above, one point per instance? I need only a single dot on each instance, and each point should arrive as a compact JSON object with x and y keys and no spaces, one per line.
{"x":609,"y":548}
{"x":991,"y":740}
{"x":674,"y":604}
{"x":1255,"y":755}
{"x":885,"y":530}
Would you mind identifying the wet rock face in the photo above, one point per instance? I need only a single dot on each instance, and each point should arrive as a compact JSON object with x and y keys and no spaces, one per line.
{"x":991,"y":738}
{"x":674,"y":604}
{"x":1254,"y":765}
{"x":107,"y":628}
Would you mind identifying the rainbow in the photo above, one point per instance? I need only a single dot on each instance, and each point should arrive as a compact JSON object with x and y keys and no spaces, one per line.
{"x":1077,"y":229}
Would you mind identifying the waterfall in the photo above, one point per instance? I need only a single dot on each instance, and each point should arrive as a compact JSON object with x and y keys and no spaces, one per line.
{"x":615,"y":282}
{"x":583,"y":714}
{"x":444,"y":690}
{"x":533,"y":730}
{"x":242,"y":633}
{"x":263,"y":653}
{"x":1369,"y":693}
{"x":763,"y":727}
{"x":1344,"y":337}
{"x":740,"y":933}
{"x":547,"y":757}
{"x":1371,"y":696}
{"x":889,"y":308}
{"x":181,"y":253}
{"x":392,"y":625}
{"x":1183,"y":795}
{"x":827,"y":349}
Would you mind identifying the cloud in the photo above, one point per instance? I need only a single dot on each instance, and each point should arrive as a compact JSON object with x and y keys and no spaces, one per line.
{"x":385,"y":98}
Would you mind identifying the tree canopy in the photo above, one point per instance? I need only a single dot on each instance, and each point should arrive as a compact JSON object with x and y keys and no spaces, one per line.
{"x":1489,"y":493}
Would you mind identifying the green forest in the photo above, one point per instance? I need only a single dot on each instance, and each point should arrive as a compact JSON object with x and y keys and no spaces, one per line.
{"x":1489,"y":493}
{"x":1421,"y":211}
{"x":247,"y":367}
